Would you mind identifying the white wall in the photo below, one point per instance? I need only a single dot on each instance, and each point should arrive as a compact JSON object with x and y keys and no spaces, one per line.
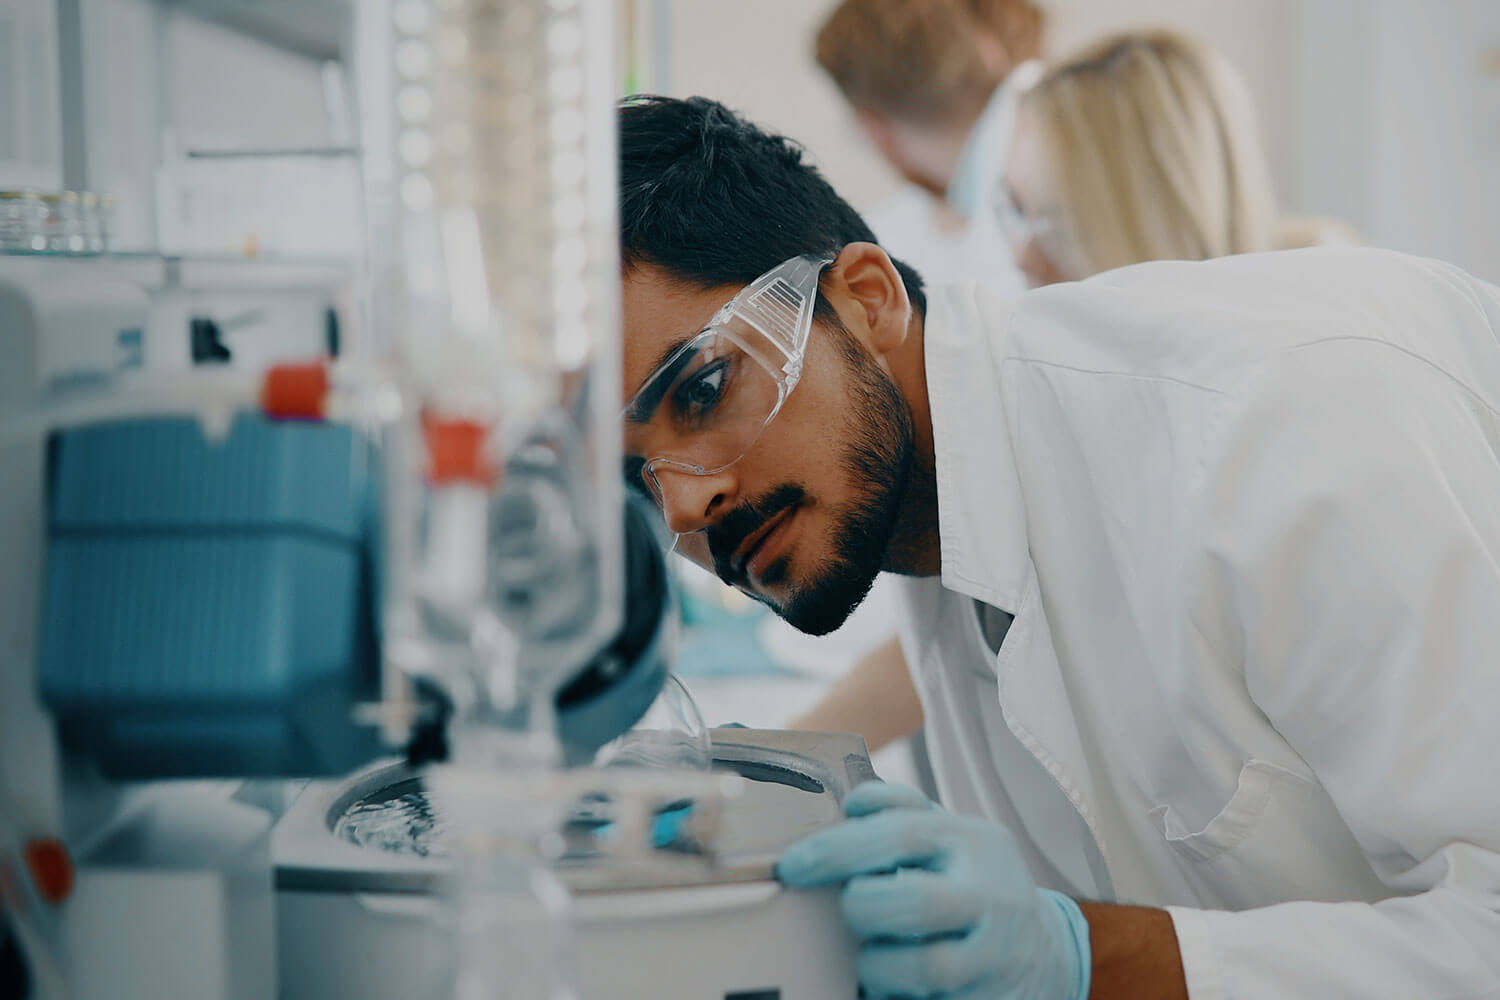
{"x":1434,"y":162}
{"x":1394,"y":110}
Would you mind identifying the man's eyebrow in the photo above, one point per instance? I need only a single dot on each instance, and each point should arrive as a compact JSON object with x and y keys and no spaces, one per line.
{"x":643,"y":407}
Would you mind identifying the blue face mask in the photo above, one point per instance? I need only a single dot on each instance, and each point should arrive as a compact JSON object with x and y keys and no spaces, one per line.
{"x":981,"y":165}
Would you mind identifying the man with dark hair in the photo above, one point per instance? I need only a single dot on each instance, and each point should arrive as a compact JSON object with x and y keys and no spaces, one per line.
{"x":1200,"y":563}
{"x":771,"y":208}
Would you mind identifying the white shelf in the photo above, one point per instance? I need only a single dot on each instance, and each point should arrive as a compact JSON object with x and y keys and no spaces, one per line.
{"x":194,"y":271}
{"x":262,"y":272}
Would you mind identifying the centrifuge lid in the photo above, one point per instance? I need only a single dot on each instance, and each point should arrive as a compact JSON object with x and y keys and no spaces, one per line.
{"x":797,"y":783}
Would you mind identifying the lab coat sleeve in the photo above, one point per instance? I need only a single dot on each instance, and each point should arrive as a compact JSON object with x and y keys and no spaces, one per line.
{"x":1349,"y":559}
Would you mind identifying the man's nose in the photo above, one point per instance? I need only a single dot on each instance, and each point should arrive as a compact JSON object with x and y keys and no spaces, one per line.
{"x":690,"y":502}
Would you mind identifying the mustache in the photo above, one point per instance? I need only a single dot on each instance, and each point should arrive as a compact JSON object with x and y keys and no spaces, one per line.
{"x":725,"y":537}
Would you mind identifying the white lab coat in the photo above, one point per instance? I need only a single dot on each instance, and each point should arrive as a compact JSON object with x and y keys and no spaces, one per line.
{"x":1247,"y":516}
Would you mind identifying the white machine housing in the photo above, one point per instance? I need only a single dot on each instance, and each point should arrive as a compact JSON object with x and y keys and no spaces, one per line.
{"x":364,"y":922}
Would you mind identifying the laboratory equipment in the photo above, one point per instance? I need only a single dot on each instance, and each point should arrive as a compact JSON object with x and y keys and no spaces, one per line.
{"x":277,"y":570}
{"x":356,"y":918}
{"x":190,"y":596}
{"x":63,"y":228}
{"x":22,"y":218}
{"x":54,"y":222}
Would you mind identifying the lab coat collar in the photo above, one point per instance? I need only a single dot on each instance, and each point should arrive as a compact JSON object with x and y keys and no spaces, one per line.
{"x":981,"y":516}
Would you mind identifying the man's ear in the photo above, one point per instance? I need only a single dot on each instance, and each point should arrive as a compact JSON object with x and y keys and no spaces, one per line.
{"x":874,"y":290}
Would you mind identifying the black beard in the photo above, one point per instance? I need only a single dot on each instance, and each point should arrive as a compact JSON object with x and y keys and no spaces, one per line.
{"x":878,"y":459}
{"x":725,"y":537}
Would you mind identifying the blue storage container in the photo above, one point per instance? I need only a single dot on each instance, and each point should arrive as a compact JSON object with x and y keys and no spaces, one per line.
{"x":210,"y":606}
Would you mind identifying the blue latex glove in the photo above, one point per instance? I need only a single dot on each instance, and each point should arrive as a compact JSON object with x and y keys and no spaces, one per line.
{"x":942,"y":905}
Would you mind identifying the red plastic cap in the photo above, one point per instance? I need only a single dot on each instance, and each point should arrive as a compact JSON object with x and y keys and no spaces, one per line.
{"x":295,"y":392}
{"x":456,"y":452}
{"x":51,"y":869}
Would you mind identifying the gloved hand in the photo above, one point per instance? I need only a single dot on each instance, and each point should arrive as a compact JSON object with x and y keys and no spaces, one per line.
{"x":942,"y":905}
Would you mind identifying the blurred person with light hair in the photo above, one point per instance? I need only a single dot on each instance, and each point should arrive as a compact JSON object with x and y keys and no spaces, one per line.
{"x":920,"y":76}
{"x":1141,"y":147}
{"x":933,"y":85}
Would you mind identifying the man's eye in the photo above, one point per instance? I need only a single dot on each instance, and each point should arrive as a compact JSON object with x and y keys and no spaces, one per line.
{"x":697,"y":397}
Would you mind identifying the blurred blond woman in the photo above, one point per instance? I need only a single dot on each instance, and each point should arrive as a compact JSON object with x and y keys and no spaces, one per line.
{"x":1141,"y":147}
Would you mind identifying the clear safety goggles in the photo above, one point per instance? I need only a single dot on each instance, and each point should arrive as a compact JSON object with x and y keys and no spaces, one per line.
{"x":708,"y":402}
{"x":1050,"y":231}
